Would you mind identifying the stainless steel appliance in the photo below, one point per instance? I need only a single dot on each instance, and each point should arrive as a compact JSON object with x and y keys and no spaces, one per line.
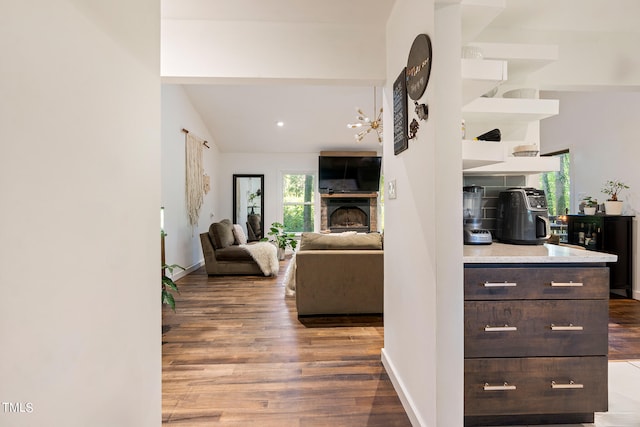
{"x":523,"y":217}
{"x":473,"y":232}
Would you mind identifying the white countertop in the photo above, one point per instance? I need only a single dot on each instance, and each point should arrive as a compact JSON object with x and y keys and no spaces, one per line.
{"x":547,"y":253}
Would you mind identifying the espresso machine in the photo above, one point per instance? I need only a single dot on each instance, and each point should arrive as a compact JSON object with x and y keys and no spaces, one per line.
{"x":522,"y":216}
{"x":473,"y":232}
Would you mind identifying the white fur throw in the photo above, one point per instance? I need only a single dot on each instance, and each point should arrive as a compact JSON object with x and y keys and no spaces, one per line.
{"x":265,"y":255}
{"x":290,"y":278}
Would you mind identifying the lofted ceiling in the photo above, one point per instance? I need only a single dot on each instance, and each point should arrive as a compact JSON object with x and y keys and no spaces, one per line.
{"x":242,"y":117}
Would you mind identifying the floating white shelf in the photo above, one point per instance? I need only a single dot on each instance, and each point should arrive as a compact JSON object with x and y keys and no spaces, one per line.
{"x":479,"y":76}
{"x":514,"y":115}
{"x":523,"y":59}
{"x":481,"y":153}
{"x":497,"y":110}
{"x":518,"y":166}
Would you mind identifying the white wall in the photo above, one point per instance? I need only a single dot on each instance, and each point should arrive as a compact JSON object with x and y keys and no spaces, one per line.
{"x":423,"y":350}
{"x":272,"y":166}
{"x":80,"y":184}
{"x":600,"y":131}
{"x":183,"y":241}
{"x":209,"y":50}
{"x":449,"y":264}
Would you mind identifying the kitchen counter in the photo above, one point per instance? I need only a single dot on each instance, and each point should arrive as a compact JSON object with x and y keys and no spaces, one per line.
{"x":497,"y":253}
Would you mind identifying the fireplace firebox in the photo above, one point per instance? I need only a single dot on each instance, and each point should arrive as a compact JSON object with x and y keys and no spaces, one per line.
{"x":354,"y":212}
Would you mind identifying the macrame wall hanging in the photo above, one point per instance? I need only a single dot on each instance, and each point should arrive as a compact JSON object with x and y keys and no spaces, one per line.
{"x":194,"y":176}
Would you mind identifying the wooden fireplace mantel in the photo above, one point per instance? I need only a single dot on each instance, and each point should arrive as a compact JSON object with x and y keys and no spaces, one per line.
{"x":349,"y":153}
{"x":373,"y":195}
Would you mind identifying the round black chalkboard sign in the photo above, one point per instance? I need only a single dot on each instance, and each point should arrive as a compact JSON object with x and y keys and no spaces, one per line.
{"x":418,"y":66}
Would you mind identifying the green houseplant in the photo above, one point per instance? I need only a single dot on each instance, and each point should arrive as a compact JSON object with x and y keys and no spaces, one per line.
{"x":252,"y":199}
{"x":613,"y":188}
{"x":169,"y":286}
{"x":281,"y":239}
{"x":589,"y":205}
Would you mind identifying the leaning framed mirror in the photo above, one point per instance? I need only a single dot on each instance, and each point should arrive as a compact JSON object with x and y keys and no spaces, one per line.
{"x":248,"y":204}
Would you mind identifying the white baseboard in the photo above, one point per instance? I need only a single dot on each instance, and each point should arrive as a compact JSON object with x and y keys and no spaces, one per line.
{"x":180,"y":274}
{"x":398,"y":385}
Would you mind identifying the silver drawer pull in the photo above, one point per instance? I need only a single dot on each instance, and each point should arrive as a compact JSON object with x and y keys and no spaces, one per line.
{"x":505,"y":328}
{"x":569,"y":327}
{"x":567,"y":284}
{"x":505,"y":386}
{"x":570,"y":385}
{"x":500,"y":284}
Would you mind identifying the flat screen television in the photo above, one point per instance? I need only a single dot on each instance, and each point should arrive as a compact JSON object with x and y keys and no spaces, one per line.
{"x":337,"y":174}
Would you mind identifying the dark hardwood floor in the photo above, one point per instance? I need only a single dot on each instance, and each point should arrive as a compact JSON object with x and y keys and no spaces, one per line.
{"x":624,"y":329}
{"x":235,"y":354}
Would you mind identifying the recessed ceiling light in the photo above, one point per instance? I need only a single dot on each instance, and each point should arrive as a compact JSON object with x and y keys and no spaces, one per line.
{"x":280,"y":124}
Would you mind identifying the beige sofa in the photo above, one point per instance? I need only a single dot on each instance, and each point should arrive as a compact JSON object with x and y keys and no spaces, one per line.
{"x":340,"y":273}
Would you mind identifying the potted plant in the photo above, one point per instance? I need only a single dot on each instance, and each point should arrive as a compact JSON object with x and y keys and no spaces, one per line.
{"x":590,"y":205}
{"x":252,"y":200}
{"x":613,"y":206}
{"x":281,"y":239}
{"x":168,"y":285}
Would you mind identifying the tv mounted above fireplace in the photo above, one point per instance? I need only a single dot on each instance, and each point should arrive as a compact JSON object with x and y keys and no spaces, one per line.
{"x":343,"y":174}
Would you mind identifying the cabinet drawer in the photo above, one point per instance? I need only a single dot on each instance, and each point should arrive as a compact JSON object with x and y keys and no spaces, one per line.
{"x":544,"y":385}
{"x":535,"y":328}
{"x":536,"y":283}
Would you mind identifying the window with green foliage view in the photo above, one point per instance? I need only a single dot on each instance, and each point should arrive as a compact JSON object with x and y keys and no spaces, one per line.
{"x":297,"y":202}
{"x":556,"y":186}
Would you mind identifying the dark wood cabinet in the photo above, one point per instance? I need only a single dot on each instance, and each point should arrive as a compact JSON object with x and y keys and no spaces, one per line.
{"x":611,"y":234}
{"x":535,"y":343}
{"x":539,"y":385}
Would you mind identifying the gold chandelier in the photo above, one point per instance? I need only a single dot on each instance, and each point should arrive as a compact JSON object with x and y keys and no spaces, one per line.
{"x":368,"y":124}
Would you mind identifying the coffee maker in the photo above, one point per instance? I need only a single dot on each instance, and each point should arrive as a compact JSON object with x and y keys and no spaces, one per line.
{"x":522,"y":217}
{"x":472,"y":230}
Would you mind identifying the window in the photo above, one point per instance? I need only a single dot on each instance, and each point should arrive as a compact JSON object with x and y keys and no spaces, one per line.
{"x":556,"y":186}
{"x":297,"y":202}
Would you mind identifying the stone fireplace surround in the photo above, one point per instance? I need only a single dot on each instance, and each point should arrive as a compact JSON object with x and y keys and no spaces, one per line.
{"x":362,"y":208}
